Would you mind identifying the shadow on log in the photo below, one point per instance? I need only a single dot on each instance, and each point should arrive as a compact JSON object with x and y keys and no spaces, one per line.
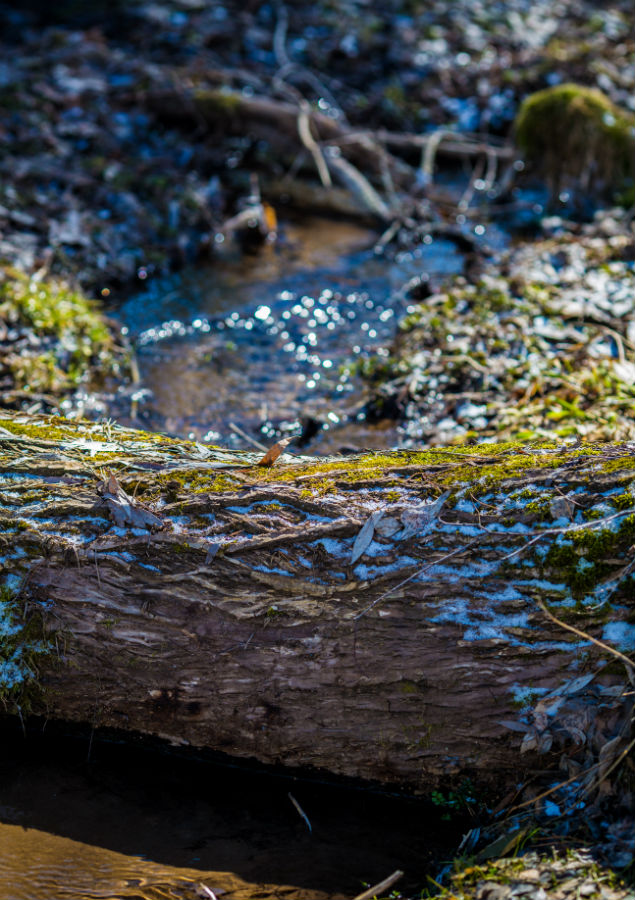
{"x":376,"y":616}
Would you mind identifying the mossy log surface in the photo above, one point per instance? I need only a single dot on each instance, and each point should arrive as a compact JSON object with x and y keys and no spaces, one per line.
{"x":197,"y":596}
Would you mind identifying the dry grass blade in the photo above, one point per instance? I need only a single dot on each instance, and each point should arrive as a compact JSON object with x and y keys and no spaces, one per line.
{"x":300,"y":811}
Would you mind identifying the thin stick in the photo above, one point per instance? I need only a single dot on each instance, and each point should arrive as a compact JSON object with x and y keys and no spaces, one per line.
{"x":280,"y":36}
{"x":247,"y":438}
{"x":613,"y":766}
{"x":410,"y":577}
{"x":304,"y":131}
{"x":380,"y":887}
{"x":551,"y":790}
{"x":630,"y":665}
{"x":300,"y":810}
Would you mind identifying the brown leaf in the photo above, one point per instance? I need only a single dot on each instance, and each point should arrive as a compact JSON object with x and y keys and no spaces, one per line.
{"x":274,"y":452}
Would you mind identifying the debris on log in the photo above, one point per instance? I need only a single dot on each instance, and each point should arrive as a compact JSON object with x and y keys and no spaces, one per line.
{"x":399,"y":616}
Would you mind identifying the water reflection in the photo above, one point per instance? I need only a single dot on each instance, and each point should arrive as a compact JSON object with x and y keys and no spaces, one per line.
{"x":36,"y":865}
{"x":263,"y":342}
{"x":140,"y":823}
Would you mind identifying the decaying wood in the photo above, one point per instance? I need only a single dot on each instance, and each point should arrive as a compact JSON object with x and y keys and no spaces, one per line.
{"x":373,"y":616}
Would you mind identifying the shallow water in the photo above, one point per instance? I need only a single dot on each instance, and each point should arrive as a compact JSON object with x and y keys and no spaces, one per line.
{"x":137,"y":823}
{"x":261,"y":341}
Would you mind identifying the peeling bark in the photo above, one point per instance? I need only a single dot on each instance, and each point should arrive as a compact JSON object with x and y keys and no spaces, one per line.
{"x":226,"y":613}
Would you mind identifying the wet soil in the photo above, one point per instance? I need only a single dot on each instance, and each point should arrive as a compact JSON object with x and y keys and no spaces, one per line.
{"x":84,"y":817}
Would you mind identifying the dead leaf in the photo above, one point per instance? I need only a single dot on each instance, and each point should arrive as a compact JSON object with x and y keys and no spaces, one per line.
{"x":513,"y":726}
{"x":365,"y":535}
{"x":123,"y":509}
{"x":388,"y":526}
{"x":529,"y":742}
{"x":274,"y":452}
{"x":212,"y":550}
{"x":420,"y":519}
{"x":562,"y":507}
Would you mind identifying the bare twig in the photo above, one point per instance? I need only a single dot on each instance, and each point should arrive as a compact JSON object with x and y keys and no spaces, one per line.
{"x":358,"y":185}
{"x":414,"y":575}
{"x":380,"y":887}
{"x":280,"y":35}
{"x":304,"y":130}
{"x":630,"y":665}
{"x":243,"y":434}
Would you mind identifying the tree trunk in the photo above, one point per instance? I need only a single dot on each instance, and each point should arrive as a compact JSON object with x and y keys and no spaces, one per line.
{"x":377,"y":616}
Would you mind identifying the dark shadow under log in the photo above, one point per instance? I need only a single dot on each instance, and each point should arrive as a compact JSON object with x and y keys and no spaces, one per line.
{"x":376,"y":616}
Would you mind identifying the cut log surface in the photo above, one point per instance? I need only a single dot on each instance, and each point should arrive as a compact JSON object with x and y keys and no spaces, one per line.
{"x":377,"y":616}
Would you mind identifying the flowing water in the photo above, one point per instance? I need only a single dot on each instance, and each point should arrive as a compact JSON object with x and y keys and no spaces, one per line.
{"x":267,"y":342}
{"x":83,"y":818}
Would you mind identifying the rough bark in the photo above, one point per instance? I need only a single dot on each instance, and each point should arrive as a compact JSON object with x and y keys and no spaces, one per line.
{"x":195,"y":595}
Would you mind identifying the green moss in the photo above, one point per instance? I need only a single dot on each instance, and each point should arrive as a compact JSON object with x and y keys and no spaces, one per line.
{"x":589,"y":556}
{"x":74,"y":339}
{"x":217,"y":105}
{"x":54,"y":428}
{"x":623,"y":501}
{"x":577,"y":137}
{"x":541,"y":509}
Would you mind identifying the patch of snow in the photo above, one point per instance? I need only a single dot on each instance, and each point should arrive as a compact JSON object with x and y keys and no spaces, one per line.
{"x":622,"y":634}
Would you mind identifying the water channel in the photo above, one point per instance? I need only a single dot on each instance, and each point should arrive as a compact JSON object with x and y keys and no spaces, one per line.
{"x":85,"y":817}
{"x":267,"y":342}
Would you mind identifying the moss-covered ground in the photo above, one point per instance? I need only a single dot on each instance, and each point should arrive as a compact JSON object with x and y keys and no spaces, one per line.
{"x":55,"y":341}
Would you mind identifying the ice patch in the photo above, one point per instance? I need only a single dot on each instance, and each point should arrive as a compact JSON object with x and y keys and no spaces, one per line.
{"x":332,"y":547}
{"x":366,"y":572}
{"x":622,"y":634}
{"x":272,"y":571}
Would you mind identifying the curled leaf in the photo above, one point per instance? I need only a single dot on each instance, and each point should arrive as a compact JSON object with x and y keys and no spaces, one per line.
{"x":274,"y":452}
{"x":124,"y":510}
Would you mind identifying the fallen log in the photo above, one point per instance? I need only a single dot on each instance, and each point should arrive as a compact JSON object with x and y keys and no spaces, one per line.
{"x":379,"y":616}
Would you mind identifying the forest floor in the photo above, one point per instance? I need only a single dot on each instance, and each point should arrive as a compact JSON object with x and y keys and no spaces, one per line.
{"x":139,"y":138}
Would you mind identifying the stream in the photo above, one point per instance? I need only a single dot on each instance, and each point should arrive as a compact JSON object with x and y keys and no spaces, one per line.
{"x":83,"y":817}
{"x":269,"y":342}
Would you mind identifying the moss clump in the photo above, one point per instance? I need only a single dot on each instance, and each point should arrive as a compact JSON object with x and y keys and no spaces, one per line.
{"x":68,"y":337}
{"x":578,"y":139}
{"x":219,"y":105}
{"x":590,"y":555}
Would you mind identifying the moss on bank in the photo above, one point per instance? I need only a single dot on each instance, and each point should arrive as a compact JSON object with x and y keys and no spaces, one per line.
{"x":571,"y":873}
{"x":578,"y":138}
{"x":56,"y":338}
{"x":523,"y":355}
